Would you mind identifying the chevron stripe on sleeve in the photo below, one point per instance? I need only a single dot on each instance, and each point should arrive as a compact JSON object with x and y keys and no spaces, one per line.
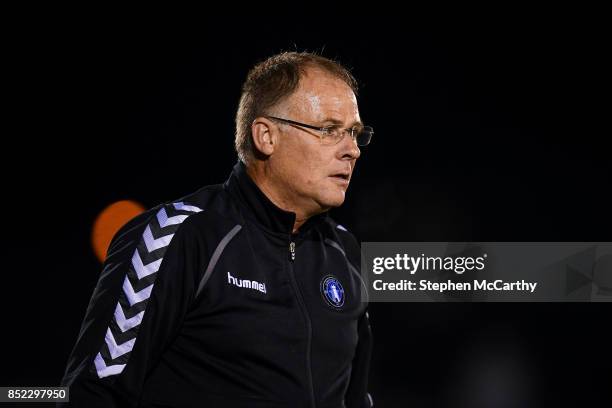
{"x":137,"y":286}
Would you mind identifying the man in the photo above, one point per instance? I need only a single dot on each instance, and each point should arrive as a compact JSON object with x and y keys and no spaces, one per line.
{"x":245,"y":294}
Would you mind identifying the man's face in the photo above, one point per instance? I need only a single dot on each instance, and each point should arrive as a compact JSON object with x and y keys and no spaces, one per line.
{"x":314,"y":176}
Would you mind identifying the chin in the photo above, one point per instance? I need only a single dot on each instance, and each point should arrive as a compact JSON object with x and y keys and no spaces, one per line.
{"x":331,"y":200}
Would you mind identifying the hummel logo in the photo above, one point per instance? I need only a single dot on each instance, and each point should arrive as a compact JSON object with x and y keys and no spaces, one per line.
{"x":244,"y":283}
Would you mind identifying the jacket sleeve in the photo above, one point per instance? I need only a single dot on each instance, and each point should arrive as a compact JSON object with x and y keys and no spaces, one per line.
{"x":143,"y":293}
{"x":357,"y":395}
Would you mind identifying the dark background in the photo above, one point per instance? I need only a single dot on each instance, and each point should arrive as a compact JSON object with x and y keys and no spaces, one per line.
{"x":484,"y":132}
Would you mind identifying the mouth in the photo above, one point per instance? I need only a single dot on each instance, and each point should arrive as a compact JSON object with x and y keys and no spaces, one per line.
{"x":341,"y":177}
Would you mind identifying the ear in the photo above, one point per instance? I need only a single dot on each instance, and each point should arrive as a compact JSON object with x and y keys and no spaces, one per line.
{"x":265,"y":136}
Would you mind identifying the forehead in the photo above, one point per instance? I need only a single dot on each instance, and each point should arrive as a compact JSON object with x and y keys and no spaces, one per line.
{"x":321,"y":95}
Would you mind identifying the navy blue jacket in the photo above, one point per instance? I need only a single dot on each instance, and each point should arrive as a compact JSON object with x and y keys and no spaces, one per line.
{"x":211,"y":301}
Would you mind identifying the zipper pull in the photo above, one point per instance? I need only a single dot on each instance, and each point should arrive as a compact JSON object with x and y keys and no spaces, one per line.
{"x":292,"y":250}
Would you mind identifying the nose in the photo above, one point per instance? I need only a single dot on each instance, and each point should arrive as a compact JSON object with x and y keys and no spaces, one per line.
{"x":348,"y":148}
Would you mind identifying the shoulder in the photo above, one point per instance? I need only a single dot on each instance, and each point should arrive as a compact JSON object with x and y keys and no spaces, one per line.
{"x":194,"y":217}
{"x":151,"y":231}
{"x":341,"y":232}
{"x":345,"y":239}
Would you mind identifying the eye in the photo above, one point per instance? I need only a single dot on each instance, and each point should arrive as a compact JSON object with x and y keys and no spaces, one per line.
{"x":331,"y":131}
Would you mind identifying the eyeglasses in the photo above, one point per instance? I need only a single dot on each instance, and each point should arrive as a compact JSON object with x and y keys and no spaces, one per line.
{"x":331,"y":135}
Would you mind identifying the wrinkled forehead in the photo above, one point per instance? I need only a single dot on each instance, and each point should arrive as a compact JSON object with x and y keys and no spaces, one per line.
{"x":321,"y":96}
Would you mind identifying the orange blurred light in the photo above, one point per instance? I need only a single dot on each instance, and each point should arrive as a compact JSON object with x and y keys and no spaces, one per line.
{"x":110,"y":220}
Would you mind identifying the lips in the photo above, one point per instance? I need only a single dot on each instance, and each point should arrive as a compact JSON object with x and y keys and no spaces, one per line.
{"x":343,"y":176}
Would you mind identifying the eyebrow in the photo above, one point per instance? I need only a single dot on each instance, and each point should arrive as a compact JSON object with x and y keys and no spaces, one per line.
{"x":339,"y":122}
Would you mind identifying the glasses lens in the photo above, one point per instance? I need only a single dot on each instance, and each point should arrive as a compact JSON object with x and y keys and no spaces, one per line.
{"x":331,"y":135}
{"x":365,"y":136}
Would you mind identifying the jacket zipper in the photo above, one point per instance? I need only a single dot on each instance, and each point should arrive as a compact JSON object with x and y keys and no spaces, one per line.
{"x":292,"y":250}
{"x":307,"y":319}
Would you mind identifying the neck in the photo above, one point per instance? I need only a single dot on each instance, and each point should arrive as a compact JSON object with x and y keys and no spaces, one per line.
{"x":268,"y":187}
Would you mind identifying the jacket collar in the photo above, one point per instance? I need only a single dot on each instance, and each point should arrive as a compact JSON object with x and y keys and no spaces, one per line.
{"x":258,"y":208}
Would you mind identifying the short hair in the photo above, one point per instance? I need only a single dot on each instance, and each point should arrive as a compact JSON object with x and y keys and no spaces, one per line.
{"x":271,"y":81}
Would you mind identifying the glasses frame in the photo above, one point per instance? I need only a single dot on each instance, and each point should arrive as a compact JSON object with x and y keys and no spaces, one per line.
{"x":325,"y":130}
